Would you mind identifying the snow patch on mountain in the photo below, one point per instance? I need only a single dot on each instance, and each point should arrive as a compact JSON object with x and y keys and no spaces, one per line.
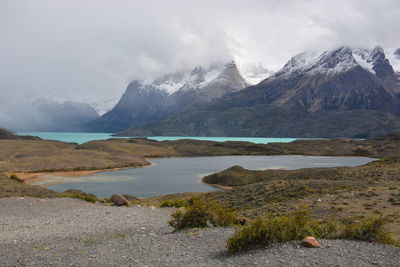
{"x":364,"y":58}
{"x":253,"y":73}
{"x":196,"y":79}
{"x":102,"y":106}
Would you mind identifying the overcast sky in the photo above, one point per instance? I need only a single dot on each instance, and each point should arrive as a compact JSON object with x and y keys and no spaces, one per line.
{"x":91,"y":49}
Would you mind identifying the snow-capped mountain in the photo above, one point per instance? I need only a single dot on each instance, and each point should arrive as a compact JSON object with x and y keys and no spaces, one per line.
{"x":145,"y":102}
{"x":196,"y":79}
{"x":341,"y":79}
{"x":49,"y":112}
{"x":331,"y":62}
{"x":344,"y":92}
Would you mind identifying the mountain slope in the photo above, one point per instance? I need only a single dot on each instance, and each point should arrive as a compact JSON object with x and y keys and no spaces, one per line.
{"x":342,"y":92}
{"x":46,"y":113}
{"x":7,"y":135}
{"x":169,"y":95}
{"x":51,"y":115}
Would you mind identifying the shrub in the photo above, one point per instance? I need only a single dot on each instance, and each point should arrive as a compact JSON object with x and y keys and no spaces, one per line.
{"x":74,"y":193}
{"x":201,"y":213}
{"x":176,"y":203}
{"x":369,"y":229}
{"x":16,"y":178}
{"x":265,"y":232}
{"x":296,"y":226}
{"x":88,"y":198}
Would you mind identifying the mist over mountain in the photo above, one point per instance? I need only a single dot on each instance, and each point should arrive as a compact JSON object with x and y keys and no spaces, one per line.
{"x":94,"y":56}
{"x":344,"y":92}
{"x":50,"y":113}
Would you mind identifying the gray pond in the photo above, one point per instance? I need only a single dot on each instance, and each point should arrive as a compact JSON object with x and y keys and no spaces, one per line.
{"x":176,"y":175}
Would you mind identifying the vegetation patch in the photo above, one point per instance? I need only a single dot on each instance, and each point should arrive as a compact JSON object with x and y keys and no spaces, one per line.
{"x":263,"y":232}
{"x":74,"y":193}
{"x":16,"y":178}
{"x":201,"y":213}
{"x":370,"y":229}
{"x":175,"y":203}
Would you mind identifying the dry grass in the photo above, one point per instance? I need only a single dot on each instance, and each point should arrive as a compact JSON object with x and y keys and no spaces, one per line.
{"x":263,"y":232}
{"x":37,"y":156}
{"x":353,"y":192}
{"x":12,"y":188}
{"x":201,"y":213}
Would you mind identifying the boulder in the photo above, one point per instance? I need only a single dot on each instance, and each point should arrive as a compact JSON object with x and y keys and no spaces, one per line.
{"x":310,"y":242}
{"x":119,"y":200}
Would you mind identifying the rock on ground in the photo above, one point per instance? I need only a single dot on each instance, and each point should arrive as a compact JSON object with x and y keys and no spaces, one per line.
{"x":70,"y":232}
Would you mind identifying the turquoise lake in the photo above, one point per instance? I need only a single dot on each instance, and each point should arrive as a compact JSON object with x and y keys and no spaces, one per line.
{"x":177,"y":175}
{"x":86,"y":137}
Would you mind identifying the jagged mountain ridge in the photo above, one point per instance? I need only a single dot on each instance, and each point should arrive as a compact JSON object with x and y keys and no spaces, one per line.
{"x":169,"y":95}
{"x":342,"y":92}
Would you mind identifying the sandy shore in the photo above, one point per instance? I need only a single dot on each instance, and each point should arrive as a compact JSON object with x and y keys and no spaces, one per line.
{"x":44,"y":178}
{"x":40,"y":177}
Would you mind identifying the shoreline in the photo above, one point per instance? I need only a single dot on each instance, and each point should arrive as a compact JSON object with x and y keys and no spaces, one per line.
{"x":31,"y":178}
{"x":221,"y":187}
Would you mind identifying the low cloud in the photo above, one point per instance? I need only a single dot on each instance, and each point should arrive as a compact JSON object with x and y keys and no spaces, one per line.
{"x":90,"y":49}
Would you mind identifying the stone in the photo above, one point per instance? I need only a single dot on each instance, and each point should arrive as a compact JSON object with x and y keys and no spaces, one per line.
{"x":310,"y":242}
{"x":119,"y":200}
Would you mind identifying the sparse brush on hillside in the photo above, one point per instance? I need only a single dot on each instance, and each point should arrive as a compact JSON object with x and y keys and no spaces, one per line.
{"x":176,"y":203}
{"x":16,"y":178}
{"x":73,"y":193}
{"x":264,"y":232}
{"x":369,"y":229}
{"x":201,"y":213}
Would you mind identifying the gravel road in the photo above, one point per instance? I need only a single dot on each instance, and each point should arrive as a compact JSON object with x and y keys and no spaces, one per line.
{"x":70,"y":232}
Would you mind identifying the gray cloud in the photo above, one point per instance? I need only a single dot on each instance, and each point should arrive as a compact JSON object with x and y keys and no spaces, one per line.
{"x":91,"y":49}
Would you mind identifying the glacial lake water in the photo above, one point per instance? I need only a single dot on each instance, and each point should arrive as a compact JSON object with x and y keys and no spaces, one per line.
{"x":176,"y":175}
{"x":86,"y":137}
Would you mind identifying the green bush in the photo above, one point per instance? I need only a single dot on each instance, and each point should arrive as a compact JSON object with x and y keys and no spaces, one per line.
{"x":264,"y":232}
{"x":176,"y":203}
{"x":296,"y":226}
{"x":16,"y":178}
{"x":74,"y":193}
{"x":369,"y":229}
{"x":201,"y":213}
{"x":89,"y":198}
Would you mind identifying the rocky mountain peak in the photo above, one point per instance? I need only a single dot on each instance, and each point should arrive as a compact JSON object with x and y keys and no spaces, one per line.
{"x":198,"y":70}
{"x":231,"y":75}
{"x":133,"y":85}
{"x":337,"y":61}
{"x":170,"y":94}
{"x":198,"y":74}
{"x":381,"y":64}
{"x":332,"y":61}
